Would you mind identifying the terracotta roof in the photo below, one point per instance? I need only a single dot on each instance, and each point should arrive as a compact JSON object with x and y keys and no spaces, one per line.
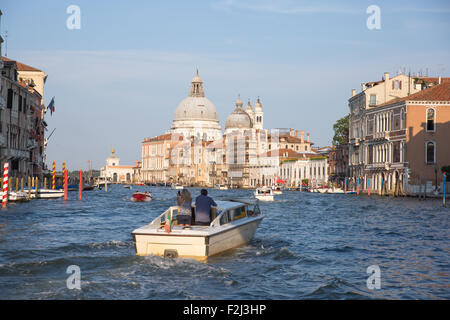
{"x":440,"y":92}
{"x":21,"y":66}
{"x":162,"y":137}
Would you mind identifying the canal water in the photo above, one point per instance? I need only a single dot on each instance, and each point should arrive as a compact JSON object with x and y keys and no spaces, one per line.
{"x":309,"y":246}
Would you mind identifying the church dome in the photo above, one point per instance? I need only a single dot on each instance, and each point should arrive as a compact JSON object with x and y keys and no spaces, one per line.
{"x":196,"y":108}
{"x":238,"y":119}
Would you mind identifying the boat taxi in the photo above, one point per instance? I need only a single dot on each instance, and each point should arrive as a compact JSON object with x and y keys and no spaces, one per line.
{"x":264,"y":194}
{"x":233,"y":224}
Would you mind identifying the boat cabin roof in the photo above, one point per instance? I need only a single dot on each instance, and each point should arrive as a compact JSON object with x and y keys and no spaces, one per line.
{"x":225,"y":205}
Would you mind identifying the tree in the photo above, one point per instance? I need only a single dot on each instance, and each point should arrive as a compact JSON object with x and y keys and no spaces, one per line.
{"x":341,"y":131}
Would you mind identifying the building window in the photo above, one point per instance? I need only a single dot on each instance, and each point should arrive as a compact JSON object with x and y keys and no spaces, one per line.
{"x":373,"y":100}
{"x":430,"y":152}
{"x":430,"y":119}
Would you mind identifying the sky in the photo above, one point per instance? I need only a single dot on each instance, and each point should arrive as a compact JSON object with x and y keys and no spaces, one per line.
{"x":119,"y":78}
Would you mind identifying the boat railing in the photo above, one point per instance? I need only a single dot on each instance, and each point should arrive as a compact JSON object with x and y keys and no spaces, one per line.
{"x":163,"y":217}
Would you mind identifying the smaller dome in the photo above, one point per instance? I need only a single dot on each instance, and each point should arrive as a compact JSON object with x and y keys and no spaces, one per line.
{"x":238,"y":119}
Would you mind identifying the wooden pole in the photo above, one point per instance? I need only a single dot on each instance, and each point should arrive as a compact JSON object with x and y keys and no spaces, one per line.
{"x":21,"y":184}
{"x":65,"y":184}
{"x":17,"y":184}
{"x":29,"y":187}
{"x":80,"y":187}
{"x":36,"y":184}
{"x":45,"y":182}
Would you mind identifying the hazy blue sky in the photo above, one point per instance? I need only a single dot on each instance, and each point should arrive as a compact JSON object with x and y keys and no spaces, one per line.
{"x":121,"y":76}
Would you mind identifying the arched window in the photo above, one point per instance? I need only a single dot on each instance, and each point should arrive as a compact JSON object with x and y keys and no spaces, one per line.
{"x":430,"y":119}
{"x":430,"y":152}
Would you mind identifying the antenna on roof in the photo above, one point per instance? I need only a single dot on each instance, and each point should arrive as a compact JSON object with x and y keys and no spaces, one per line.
{"x":6,"y":42}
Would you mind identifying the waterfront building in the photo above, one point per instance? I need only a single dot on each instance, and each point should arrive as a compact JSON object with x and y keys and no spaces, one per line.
{"x":22,"y":123}
{"x":372,"y":95}
{"x":244,"y":139}
{"x":402,"y":142}
{"x":338,"y":164}
{"x":116,"y":173}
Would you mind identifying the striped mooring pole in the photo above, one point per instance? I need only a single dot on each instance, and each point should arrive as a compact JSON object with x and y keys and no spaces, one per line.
{"x":368,"y":186}
{"x":5,"y":185}
{"x":53,"y":176}
{"x":357,"y":186}
{"x":64,"y":170}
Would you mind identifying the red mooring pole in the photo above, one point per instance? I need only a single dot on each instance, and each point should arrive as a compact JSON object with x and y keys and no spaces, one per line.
{"x":80,"y":187}
{"x":65,"y":184}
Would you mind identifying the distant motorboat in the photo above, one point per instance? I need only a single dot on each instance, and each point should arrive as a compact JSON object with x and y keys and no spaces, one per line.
{"x":221,"y":187}
{"x":141,"y":197}
{"x":264,"y":194}
{"x":176,"y":186}
{"x":277,"y":190}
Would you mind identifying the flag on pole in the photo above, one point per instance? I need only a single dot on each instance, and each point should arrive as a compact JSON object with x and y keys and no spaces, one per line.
{"x":51,"y":106}
{"x":168,"y":224}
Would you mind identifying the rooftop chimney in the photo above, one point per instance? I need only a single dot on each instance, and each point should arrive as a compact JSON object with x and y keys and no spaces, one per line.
{"x":296,"y":133}
{"x":363,"y":86}
{"x":353,"y":92}
{"x":386,"y":76}
{"x":439,"y":81}
{"x":307,"y":137}
{"x":302,"y":135}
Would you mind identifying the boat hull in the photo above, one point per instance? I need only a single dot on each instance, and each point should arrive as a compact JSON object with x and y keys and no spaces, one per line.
{"x":264,"y":197}
{"x":199,"y":247}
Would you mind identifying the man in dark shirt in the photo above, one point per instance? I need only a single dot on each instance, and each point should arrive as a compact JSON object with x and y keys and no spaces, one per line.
{"x":203,"y":205}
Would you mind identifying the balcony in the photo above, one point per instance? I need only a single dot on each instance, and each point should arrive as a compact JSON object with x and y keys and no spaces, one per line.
{"x":9,"y":153}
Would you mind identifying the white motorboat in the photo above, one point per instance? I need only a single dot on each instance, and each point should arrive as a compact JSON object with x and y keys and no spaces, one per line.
{"x":221,"y":187}
{"x":17,"y":196}
{"x":177,"y":186}
{"x":233,"y":224}
{"x":46,"y":193}
{"x":264,"y":194}
{"x":277,"y":190}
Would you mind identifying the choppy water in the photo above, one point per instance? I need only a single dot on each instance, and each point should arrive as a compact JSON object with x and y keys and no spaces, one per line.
{"x":309,"y":246}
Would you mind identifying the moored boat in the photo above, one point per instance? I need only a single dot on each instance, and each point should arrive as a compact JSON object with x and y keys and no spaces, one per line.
{"x":45,"y":193}
{"x":177,"y":186}
{"x":233,"y":224}
{"x":264,"y":194}
{"x":17,"y":196}
{"x":221,"y":187}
